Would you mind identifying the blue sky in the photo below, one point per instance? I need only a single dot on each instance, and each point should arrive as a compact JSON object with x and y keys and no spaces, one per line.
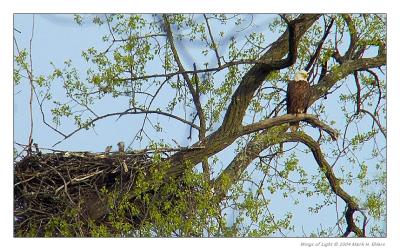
{"x":57,"y":38}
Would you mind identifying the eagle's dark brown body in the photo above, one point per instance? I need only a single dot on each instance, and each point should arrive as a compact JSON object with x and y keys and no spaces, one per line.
{"x":297,"y":98}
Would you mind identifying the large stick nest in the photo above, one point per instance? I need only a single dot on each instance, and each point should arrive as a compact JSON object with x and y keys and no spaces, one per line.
{"x":48,"y":185}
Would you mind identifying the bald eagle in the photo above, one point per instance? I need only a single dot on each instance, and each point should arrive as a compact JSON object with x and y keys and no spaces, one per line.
{"x":297,"y":96}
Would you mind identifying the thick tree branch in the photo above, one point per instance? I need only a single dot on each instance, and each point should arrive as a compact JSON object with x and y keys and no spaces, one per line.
{"x":232,"y":124}
{"x":232,"y":172}
{"x":278,"y":135}
{"x":309,"y":118}
{"x":333,"y":181}
{"x":353,"y":36}
{"x":217,"y":141}
{"x":252,"y":80}
{"x":348,"y":64}
{"x":342,"y":71}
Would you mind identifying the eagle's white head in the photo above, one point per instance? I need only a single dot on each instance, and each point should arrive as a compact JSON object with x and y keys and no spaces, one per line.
{"x":301,"y":76}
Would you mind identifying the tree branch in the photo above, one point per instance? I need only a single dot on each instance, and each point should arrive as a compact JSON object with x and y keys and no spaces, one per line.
{"x":232,"y":123}
{"x":217,"y":141}
{"x":334,"y":182}
{"x":342,"y":71}
{"x":274,"y":136}
{"x":193,"y":92}
{"x":213,"y":44}
{"x":383,"y":131}
{"x":130,"y":111}
{"x":353,"y":36}
{"x":378,"y":86}
{"x":319,"y":47}
{"x":287,"y":118}
{"x":252,"y":80}
{"x":358,"y":97}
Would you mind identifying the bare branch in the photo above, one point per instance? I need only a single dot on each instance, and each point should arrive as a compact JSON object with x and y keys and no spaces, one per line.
{"x":342,"y":71}
{"x":130,"y":111}
{"x":358,"y":97}
{"x":383,"y":131}
{"x":319,"y":47}
{"x":193,"y":92}
{"x":377,"y":83}
{"x":213,"y":44}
